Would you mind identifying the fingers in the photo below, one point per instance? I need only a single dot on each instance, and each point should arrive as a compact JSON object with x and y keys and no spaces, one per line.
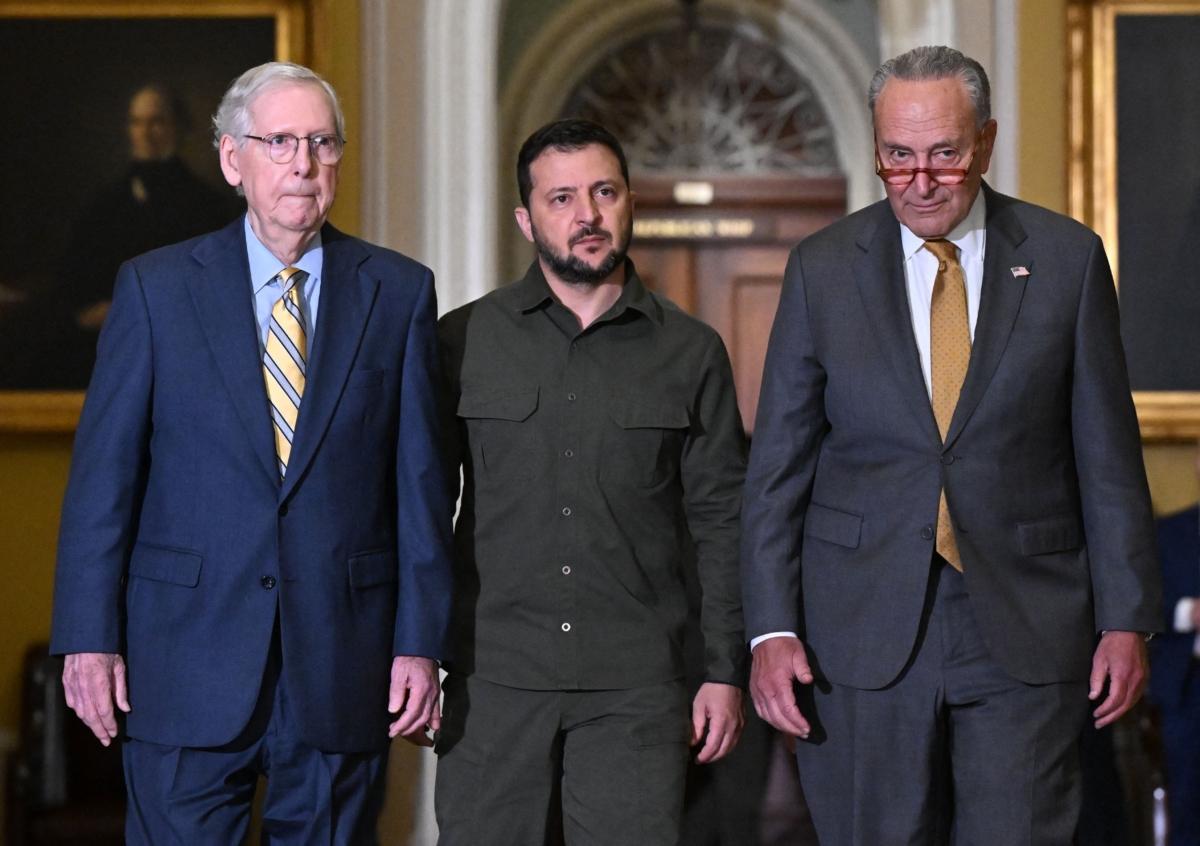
{"x":120,"y":687}
{"x":1121,"y":657}
{"x":417,"y":738}
{"x":723,"y":734}
{"x":413,"y":696}
{"x":88,"y":685}
{"x":1099,"y":672}
{"x":777,"y":664}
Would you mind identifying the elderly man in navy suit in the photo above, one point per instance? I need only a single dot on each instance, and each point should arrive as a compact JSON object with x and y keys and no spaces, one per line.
{"x":253,"y":562}
{"x":1175,"y":683}
{"x":947,"y":538}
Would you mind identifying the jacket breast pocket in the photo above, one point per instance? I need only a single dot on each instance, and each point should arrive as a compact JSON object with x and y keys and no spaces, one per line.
{"x":500,"y":433}
{"x":644,"y":443}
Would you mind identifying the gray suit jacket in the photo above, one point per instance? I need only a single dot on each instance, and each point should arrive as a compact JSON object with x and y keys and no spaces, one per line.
{"x":1042,"y":464}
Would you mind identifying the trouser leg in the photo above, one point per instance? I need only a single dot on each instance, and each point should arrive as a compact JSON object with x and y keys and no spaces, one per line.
{"x":625,"y":756}
{"x":498,"y":762}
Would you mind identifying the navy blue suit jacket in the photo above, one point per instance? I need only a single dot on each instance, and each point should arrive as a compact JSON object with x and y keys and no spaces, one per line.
{"x":1042,"y":464}
{"x":179,"y":544}
{"x":1171,"y":661}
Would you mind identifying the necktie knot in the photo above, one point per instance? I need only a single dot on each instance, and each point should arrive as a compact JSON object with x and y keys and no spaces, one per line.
{"x":944,"y":250}
{"x":289,"y":278}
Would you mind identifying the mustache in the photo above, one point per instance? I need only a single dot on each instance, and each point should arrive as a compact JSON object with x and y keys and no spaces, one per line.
{"x":588,"y":232}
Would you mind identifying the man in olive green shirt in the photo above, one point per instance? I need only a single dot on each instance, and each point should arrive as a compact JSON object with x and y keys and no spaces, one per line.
{"x":601,"y":452}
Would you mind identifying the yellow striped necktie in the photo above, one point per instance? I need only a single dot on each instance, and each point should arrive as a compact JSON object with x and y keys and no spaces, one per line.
{"x":284,"y":363}
{"x":949,"y":355}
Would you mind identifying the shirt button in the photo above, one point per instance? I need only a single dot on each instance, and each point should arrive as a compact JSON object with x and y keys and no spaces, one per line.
{"x":927,"y":532}
{"x":570,"y":453}
{"x":566,"y":570}
{"x":571,"y":396}
{"x":566,"y":627}
{"x":566,"y":512}
{"x":268,"y":582}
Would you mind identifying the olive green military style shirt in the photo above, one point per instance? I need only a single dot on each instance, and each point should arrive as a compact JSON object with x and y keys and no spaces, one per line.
{"x":596,"y":465}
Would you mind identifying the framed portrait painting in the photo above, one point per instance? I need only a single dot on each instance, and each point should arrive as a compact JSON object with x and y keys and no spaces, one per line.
{"x":1135,"y":178}
{"x":110,"y":154}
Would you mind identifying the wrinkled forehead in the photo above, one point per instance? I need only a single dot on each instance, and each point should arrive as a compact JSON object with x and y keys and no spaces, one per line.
{"x":284,"y":100}
{"x":924,"y":105}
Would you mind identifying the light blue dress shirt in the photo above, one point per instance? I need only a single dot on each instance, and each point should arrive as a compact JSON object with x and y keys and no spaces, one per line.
{"x":264,"y":267}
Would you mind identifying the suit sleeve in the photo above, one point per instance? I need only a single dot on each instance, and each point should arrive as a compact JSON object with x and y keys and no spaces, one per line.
{"x":423,"y":494}
{"x":713,"y":470}
{"x":789,"y":427}
{"x":109,"y":465}
{"x":1117,"y":519}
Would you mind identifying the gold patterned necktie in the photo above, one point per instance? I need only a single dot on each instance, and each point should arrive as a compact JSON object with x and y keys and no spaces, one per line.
{"x":284,"y":363}
{"x":949,"y":355}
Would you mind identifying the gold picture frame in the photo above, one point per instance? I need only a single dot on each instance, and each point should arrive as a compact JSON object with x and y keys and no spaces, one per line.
{"x":283,"y":30}
{"x":1094,"y":168}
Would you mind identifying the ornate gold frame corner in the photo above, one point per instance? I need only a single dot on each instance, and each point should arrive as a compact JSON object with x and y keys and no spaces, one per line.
{"x":1092,"y":167}
{"x":58,"y":411}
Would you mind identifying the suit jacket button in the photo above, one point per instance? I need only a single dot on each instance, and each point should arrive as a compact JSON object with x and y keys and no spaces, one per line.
{"x":283,"y":510}
{"x":947,"y":459}
{"x":927,"y":532}
{"x":268,"y":582}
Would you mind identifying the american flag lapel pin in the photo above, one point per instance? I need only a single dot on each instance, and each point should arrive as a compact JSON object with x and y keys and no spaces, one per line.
{"x":1019,"y":271}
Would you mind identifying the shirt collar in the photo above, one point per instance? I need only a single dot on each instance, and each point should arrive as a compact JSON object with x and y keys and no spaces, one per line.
{"x":264,"y":267}
{"x":532,"y":292}
{"x":968,"y":236}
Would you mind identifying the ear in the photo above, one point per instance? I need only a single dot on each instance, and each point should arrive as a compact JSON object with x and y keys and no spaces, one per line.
{"x":986,"y":142}
{"x":228,"y":154}
{"x":524,"y":222}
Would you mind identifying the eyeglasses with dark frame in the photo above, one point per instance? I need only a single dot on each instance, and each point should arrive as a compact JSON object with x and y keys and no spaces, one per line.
{"x":283,"y":146}
{"x":941,"y":175}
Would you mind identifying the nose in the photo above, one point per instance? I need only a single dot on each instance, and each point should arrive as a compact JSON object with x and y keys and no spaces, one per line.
{"x":587,"y":211}
{"x":305,"y":163}
{"x":923,"y":184}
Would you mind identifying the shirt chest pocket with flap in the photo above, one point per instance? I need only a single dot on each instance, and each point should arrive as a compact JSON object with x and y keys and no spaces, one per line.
{"x":644,"y":441}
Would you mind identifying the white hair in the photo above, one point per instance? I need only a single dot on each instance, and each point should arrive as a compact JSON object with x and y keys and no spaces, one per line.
{"x":233,"y":114}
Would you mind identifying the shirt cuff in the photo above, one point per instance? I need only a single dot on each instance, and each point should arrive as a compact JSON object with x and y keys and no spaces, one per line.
{"x":1183,"y":614}
{"x":756,"y":641}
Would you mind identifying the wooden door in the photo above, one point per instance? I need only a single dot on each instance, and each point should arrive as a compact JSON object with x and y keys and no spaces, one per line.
{"x":723,"y":260}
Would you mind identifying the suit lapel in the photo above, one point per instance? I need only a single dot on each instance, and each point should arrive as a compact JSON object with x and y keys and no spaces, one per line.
{"x":879,"y":271}
{"x":346,"y":299}
{"x":222,"y":295}
{"x":998,"y":306}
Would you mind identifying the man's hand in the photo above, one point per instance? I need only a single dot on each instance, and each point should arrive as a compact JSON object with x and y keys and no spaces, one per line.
{"x":91,"y":682}
{"x":778,"y":663}
{"x":413,"y":697}
{"x":716,"y":709}
{"x":1121,"y":658}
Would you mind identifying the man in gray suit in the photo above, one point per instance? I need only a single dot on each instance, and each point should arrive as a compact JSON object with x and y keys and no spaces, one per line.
{"x":947,"y":537}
